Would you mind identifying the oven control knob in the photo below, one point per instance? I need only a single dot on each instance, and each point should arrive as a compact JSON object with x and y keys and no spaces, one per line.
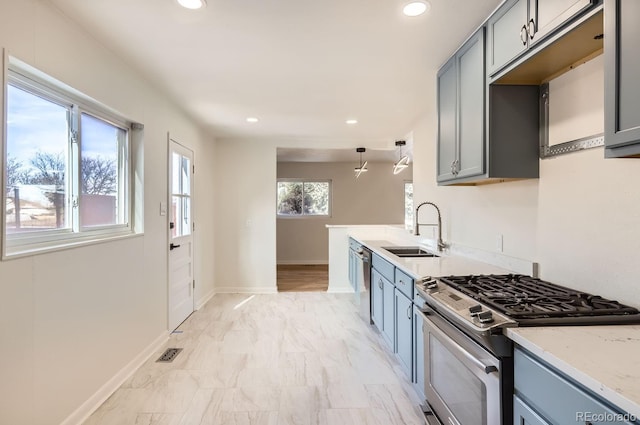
{"x":485,"y":317}
{"x":431,"y":284}
{"x":475,"y":309}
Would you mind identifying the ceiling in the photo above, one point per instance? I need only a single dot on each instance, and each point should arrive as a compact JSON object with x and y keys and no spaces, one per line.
{"x":302,"y":67}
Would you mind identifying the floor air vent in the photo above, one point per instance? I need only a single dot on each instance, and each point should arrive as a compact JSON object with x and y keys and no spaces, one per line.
{"x":169,"y":355}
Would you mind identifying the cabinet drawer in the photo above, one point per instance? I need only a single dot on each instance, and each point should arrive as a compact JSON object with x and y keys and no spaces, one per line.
{"x":552,"y":395}
{"x":404,"y":283}
{"x":385,"y":268}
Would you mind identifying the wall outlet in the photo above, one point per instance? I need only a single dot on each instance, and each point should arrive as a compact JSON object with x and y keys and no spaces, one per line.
{"x":500,"y":243}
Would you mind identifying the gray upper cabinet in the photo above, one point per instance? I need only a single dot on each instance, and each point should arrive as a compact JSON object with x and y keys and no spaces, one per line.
{"x":520,"y":24}
{"x":485,"y":133}
{"x":461,"y":101}
{"x":622,"y":86}
{"x":506,"y":34}
{"x":471,"y":83}
{"x":447,"y":120}
{"x":547,"y":15}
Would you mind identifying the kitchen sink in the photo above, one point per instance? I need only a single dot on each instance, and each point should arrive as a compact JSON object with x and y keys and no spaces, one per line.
{"x":408,"y":251}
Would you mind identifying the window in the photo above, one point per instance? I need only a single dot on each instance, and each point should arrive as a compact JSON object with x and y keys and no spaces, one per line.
{"x":408,"y":205}
{"x":303,"y":198}
{"x":67,"y":175}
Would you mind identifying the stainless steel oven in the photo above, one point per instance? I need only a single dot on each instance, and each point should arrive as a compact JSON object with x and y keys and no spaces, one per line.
{"x":462,"y":380}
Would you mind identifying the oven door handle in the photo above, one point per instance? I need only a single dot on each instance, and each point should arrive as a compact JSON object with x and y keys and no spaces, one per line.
{"x":487,"y":368}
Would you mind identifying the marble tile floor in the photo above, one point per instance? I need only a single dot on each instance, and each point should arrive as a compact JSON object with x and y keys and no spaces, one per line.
{"x":289,"y":358}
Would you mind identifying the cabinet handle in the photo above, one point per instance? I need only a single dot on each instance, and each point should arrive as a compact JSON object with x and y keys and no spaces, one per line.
{"x":453,"y":169}
{"x":401,"y":282}
{"x":409,"y":312}
{"x":530,"y":30}
{"x":380,"y":283}
{"x":523,"y":35}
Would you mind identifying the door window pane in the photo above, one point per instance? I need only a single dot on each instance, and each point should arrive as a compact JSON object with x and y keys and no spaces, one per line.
{"x":181,"y":200}
{"x":37,"y":163}
{"x":101,"y":177}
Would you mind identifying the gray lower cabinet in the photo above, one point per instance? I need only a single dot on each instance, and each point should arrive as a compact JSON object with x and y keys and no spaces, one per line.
{"x":393,"y":313}
{"x":523,"y":415}
{"x":404,"y":330}
{"x":376,"y":299}
{"x":418,"y":352}
{"x":544,"y":396}
{"x":388,"y":313}
{"x":622,"y":86}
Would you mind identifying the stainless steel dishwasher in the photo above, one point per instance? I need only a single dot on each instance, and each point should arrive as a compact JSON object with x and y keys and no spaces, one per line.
{"x":365,"y":284}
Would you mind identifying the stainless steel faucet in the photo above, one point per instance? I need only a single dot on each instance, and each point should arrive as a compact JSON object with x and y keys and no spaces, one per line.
{"x":441,"y":244}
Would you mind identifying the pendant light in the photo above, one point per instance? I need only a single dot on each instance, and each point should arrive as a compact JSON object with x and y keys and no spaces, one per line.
{"x":363,"y":165}
{"x":403,"y":162}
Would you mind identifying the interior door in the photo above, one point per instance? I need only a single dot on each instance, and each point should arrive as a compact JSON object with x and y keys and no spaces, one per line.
{"x":181,"y":283}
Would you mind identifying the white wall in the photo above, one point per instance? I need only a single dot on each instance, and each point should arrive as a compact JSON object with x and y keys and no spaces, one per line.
{"x":72,"y":319}
{"x":377,"y":197}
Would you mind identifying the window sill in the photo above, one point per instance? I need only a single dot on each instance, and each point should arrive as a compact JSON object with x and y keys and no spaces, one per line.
{"x":31,"y":250}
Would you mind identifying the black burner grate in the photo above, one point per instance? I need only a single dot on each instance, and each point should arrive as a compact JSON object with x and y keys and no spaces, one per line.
{"x":525,"y":298}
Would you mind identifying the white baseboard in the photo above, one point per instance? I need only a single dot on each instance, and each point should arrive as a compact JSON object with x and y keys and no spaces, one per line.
{"x":341,"y":290}
{"x":245,"y":290}
{"x":88,"y":407}
{"x":205,"y":299}
{"x":303,"y":263}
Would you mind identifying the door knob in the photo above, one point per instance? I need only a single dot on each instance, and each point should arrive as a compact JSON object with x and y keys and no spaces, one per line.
{"x":173,"y":246}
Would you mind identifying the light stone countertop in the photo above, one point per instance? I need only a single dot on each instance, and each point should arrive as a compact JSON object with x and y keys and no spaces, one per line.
{"x":444,"y":265}
{"x":605,"y":359}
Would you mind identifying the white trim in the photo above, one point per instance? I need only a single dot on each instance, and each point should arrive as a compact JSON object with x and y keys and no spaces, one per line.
{"x":246,"y":290}
{"x":92,"y":403}
{"x":204,"y":300}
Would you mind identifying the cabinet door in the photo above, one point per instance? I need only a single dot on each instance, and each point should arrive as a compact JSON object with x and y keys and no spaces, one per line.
{"x":523,"y":415}
{"x":447,"y":120}
{"x":376,"y":298}
{"x":418,"y":352}
{"x":351,"y":268}
{"x":471,"y":120}
{"x":388,"y":314}
{"x":547,"y":15}
{"x":621,"y":71}
{"x":507,"y":34}
{"x":404,"y":330}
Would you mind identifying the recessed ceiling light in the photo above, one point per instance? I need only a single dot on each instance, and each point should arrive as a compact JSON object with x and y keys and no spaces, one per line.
{"x":416,"y":8}
{"x":351,"y":122}
{"x":192,"y":4}
{"x":252,"y":119}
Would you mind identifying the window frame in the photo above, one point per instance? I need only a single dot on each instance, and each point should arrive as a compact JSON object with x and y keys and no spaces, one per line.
{"x":303,"y":215}
{"x":25,"y":77}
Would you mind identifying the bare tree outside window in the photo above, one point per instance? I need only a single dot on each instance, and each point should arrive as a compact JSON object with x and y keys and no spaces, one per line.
{"x":296,"y":198}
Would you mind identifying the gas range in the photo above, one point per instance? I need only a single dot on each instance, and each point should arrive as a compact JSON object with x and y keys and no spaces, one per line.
{"x":483,"y":305}
{"x":465,"y":346}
